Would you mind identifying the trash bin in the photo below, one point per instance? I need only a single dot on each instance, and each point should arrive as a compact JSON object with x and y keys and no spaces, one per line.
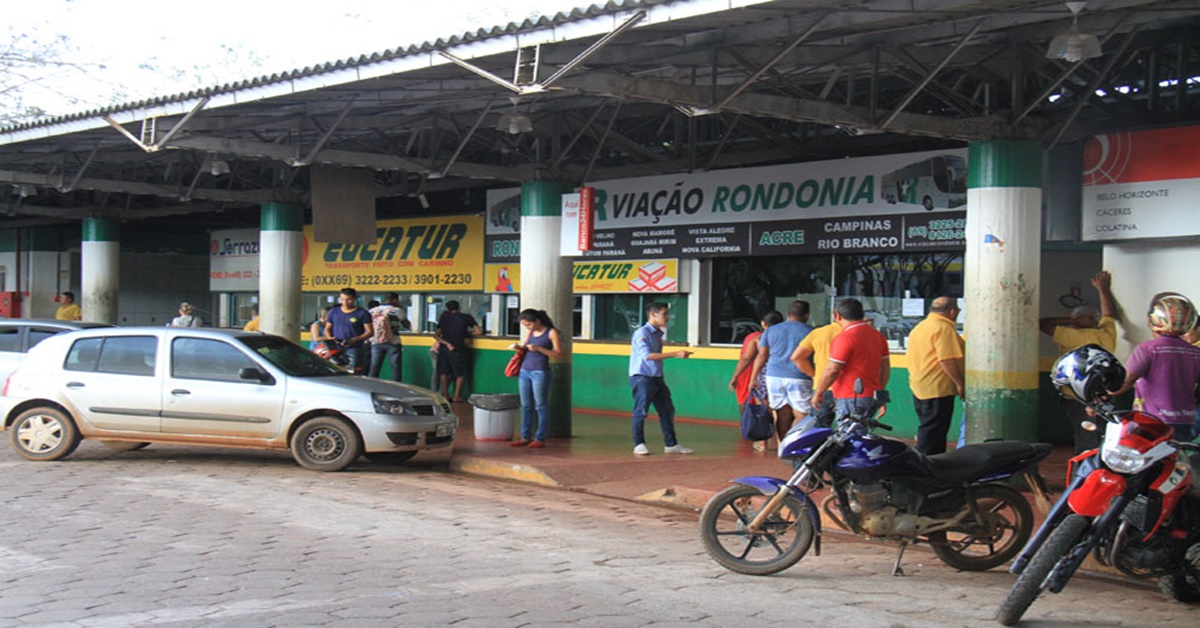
{"x":495,"y":415}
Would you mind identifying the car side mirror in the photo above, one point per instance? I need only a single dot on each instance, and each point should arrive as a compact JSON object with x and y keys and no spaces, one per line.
{"x":254,"y":374}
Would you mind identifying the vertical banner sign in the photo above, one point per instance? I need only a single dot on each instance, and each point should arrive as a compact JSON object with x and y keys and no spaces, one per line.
{"x":587,"y":217}
{"x":568,"y":242}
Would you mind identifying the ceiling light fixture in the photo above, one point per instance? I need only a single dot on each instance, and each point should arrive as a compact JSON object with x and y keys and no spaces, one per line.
{"x":1074,"y":45}
{"x":514,"y":122}
{"x":219,"y":167}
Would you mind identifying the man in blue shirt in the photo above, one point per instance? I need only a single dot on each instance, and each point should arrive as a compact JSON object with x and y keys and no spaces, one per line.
{"x":350,"y":326}
{"x":646,"y":379}
{"x":454,"y":357}
{"x":789,"y":391}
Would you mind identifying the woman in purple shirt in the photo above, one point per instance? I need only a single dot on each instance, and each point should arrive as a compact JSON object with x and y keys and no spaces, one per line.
{"x":1164,"y":372}
{"x":541,"y":344}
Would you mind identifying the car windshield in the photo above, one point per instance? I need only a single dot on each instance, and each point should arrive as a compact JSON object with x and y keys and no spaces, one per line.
{"x":290,"y":357}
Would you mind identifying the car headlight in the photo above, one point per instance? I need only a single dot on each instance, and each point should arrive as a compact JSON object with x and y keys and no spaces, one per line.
{"x":1122,"y":459}
{"x":387,"y":404}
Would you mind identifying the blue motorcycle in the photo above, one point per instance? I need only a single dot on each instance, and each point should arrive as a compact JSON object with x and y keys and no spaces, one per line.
{"x":958,"y":502}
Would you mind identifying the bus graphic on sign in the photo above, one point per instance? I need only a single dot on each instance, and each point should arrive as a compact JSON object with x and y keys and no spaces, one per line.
{"x":939,"y":181}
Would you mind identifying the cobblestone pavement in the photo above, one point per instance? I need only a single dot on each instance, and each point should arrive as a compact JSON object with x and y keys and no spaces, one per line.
{"x":172,"y":536}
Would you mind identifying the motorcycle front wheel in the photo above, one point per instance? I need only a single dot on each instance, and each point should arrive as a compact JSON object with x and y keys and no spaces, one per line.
{"x":783,"y":540}
{"x":1031,"y":581}
{"x":1002,"y":527}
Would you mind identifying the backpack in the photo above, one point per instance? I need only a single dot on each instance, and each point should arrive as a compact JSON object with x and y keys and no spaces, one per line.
{"x":386,"y":321}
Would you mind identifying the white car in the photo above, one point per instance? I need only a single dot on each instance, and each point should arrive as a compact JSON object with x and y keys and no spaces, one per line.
{"x":130,"y":387}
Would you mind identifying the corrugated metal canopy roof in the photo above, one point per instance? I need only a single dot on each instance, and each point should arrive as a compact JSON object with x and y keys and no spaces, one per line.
{"x":620,"y":89}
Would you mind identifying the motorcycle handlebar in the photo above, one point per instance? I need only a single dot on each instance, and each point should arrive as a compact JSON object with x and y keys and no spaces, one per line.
{"x":1186,"y":445}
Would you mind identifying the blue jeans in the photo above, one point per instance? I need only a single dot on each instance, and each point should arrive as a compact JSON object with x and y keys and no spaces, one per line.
{"x":1184,"y":431}
{"x":865,"y":406}
{"x":359,"y":358}
{"x":388,"y":351}
{"x":652,"y":390}
{"x":535,"y":398}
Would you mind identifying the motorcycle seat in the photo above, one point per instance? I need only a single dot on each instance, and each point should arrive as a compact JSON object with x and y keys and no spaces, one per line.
{"x":972,"y":462}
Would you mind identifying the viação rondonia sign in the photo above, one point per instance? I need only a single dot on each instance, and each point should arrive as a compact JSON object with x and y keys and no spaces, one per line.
{"x":891,"y":203}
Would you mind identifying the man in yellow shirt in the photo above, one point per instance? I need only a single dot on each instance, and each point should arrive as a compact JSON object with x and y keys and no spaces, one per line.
{"x":811,"y":357}
{"x":1084,"y":326}
{"x":935,"y":373}
{"x":252,"y":324}
{"x":69,"y":309}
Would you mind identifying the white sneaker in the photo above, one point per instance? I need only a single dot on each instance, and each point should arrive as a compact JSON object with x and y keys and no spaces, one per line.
{"x":641,"y":450}
{"x":678,"y":449}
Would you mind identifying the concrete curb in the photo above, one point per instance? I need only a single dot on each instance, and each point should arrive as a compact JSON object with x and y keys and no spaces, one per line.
{"x":503,"y":470}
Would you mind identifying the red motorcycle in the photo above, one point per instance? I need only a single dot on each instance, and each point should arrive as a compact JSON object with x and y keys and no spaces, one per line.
{"x":1131,"y":504}
{"x":334,"y":352}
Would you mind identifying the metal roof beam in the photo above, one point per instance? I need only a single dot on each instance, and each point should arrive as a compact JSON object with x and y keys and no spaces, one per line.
{"x":676,"y":94}
{"x":135,"y":187}
{"x":378,"y":161}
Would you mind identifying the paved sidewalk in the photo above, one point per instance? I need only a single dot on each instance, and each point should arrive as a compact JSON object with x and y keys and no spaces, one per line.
{"x":599,"y":459}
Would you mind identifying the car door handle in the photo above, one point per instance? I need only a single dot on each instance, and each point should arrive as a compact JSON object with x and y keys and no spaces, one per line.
{"x":180,"y":392}
{"x":75,"y":385}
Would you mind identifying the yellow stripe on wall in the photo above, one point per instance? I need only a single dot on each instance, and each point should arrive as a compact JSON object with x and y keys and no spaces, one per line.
{"x":1013,"y":380}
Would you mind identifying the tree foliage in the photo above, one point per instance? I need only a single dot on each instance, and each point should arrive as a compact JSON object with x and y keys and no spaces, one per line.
{"x":30,"y":61}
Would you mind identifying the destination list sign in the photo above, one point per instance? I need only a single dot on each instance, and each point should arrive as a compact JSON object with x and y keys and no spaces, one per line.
{"x":943,"y":231}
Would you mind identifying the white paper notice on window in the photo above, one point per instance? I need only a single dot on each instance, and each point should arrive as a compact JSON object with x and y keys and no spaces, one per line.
{"x":910,"y":308}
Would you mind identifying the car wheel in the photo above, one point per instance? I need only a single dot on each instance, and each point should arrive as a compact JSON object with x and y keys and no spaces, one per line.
{"x":325,"y":444}
{"x":120,"y":445}
{"x":44,"y":434}
{"x":390,"y":457}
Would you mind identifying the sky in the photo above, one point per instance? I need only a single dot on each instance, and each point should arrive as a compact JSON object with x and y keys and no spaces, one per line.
{"x":134,"y":49}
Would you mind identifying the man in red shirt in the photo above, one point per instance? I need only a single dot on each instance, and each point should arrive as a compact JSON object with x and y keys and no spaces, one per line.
{"x":858,"y":352}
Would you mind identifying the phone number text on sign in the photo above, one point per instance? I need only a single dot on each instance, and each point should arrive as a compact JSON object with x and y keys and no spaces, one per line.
{"x":413,"y":281}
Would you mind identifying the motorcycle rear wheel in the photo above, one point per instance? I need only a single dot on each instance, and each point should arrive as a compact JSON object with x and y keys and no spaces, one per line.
{"x":981,"y":545}
{"x":783,"y":541}
{"x":1031,"y":581}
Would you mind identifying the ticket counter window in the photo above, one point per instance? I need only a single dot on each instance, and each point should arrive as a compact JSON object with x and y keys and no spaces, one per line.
{"x":746,"y":288}
{"x":512,"y":320}
{"x":616,"y":316}
{"x":896,"y":289}
{"x":478,"y":305}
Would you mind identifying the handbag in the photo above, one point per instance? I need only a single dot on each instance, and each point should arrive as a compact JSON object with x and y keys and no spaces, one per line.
{"x":756,"y":422}
{"x":514,"y":363}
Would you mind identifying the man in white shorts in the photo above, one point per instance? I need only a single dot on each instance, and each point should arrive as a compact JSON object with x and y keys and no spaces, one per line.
{"x":789,"y":391}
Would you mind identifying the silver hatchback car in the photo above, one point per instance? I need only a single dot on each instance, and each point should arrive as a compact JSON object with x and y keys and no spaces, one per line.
{"x":130,"y":387}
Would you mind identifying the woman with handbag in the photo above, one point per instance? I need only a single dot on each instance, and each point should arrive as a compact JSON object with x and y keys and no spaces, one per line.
{"x":751,"y":392}
{"x":541,"y":343}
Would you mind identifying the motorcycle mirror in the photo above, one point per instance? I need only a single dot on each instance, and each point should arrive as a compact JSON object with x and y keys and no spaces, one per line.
{"x":858,"y":386}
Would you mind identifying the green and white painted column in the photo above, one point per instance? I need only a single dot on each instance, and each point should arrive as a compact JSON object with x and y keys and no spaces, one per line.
{"x":1002,"y":263}
{"x":279,"y":266}
{"x":100,"y":270}
{"x":546,"y":285}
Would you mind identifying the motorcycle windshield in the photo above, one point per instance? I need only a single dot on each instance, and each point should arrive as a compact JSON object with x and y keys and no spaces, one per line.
{"x":800,"y":444}
{"x":1142,"y":432}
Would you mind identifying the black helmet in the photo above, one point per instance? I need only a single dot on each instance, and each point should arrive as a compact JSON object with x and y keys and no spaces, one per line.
{"x":1085,"y":373}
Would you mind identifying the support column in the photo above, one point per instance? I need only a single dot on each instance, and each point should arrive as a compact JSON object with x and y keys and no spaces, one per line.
{"x":279,"y":262}
{"x":100,"y":267}
{"x":1002,"y":263}
{"x":546,"y":285}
